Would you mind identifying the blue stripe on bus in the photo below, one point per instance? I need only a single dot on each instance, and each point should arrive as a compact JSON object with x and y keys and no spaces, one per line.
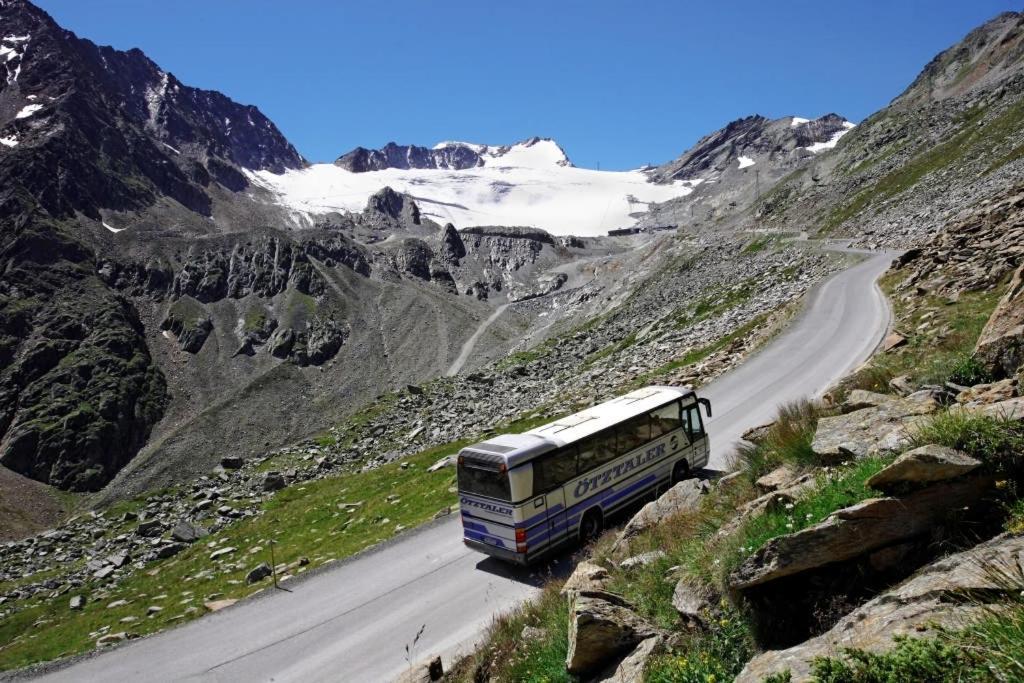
{"x":484,"y":538}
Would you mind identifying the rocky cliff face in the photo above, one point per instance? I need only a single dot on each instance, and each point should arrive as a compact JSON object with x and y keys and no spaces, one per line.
{"x":88,"y":130}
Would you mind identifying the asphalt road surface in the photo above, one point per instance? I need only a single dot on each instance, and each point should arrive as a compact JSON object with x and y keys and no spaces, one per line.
{"x":353,"y":621}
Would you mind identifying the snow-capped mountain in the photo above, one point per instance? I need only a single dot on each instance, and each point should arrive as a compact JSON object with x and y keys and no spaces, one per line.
{"x":531,"y":183}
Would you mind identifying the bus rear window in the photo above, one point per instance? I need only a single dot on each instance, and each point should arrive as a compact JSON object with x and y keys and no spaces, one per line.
{"x":481,"y":482}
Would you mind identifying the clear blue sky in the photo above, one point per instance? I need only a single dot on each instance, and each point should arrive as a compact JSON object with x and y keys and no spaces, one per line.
{"x":616,"y":83}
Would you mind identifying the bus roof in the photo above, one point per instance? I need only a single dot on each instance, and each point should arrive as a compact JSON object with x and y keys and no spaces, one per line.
{"x":515,"y":449}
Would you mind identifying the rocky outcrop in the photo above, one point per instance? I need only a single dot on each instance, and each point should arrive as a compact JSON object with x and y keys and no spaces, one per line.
{"x":921,"y":466}
{"x":191,"y":333}
{"x":1000,"y":347}
{"x":856,"y":531}
{"x":934,"y":598}
{"x":869,"y":431}
{"x":602,"y":627}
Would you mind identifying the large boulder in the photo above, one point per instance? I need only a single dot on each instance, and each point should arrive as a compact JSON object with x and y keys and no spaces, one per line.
{"x":923,"y":465}
{"x":869,"y":431}
{"x":1000,"y":347}
{"x":684,"y":496}
{"x":602,"y":627}
{"x":855,"y":531}
{"x":931,"y":599}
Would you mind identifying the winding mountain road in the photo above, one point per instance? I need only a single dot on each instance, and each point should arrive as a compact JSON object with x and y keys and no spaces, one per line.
{"x":351,"y":622}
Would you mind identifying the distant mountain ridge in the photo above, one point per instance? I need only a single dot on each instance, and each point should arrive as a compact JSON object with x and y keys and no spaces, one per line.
{"x":450,"y":156}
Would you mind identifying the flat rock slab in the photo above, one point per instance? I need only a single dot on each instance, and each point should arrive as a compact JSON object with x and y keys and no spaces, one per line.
{"x":870,"y":431}
{"x":924,"y":465}
{"x":855,"y":531}
{"x":929,"y":599}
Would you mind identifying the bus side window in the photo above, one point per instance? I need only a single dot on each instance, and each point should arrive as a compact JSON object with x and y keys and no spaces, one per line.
{"x":633,"y":434}
{"x":588,"y":455}
{"x":664,"y":420}
{"x":554,"y":469}
{"x":694,"y":424}
{"x":606,"y":451}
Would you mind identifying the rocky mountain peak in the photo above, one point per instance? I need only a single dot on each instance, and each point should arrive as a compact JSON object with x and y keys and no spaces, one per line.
{"x":95,"y":108}
{"x":987,"y":56}
{"x":751,"y":140}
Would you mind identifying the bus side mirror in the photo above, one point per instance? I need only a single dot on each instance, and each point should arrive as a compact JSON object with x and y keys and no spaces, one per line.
{"x":707,"y":405}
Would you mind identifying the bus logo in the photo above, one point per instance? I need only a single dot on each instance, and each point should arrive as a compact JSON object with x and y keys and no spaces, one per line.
{"x":613,"y":473}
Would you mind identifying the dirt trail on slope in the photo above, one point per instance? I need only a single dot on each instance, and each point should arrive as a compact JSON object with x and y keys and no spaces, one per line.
{"x":470,"y":344}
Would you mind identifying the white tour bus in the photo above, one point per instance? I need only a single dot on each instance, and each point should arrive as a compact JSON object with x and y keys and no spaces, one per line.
{"x":524,"y":495}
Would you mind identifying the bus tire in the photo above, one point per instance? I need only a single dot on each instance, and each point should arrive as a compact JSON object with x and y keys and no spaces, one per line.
{"x":680,"y":472}
{"x":590,"y":526}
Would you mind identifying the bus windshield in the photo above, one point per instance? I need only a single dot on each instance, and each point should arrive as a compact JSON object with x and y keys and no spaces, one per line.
{"x":481,"y":482}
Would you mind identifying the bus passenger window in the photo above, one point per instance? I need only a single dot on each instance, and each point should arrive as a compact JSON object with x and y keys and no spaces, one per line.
{"x":664,"y":420}
{"x":588,"y":457}
{"x":554,"y":469}
{"x":633,"y":434}
{"x":694,"y":424}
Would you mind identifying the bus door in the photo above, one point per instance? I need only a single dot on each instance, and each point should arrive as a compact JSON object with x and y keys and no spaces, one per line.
{"x":694,"y":426}
{"x":556,"y":514}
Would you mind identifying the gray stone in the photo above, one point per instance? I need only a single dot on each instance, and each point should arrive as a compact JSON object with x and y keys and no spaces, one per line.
{"x":118,"y":559}
{"x":274,"y":481}
{"x":692,"y":601}
{"x":642,"y":560}
{"x":777,"y":479}
{"x":258,"y":573}
{"x":170,"y":550}
{"x":221,"y":552}
{"x":923,"y":465}
{"x":77,"y":602}
{"x":602,"y":627}
{"x":150,"y":528}
{"x":187,"y":532}
{"x":232,"y":462}
{"x":111,"y":639}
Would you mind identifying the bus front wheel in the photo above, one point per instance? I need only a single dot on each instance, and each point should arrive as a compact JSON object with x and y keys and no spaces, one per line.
{"x":590,"y":527}
{"x":680,"y":472}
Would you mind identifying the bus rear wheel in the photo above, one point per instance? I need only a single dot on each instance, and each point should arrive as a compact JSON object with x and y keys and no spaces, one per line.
{"x":590,"y":527}
{"x":680,"y":472}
